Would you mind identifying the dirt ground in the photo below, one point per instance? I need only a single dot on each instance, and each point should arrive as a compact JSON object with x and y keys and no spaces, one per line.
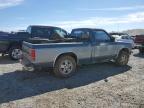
{"x":94,"y":86}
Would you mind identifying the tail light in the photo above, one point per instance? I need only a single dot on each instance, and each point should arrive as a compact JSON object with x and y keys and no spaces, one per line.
{"x":32,"y":54}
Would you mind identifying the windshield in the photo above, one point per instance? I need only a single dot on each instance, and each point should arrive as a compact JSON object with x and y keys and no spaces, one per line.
{"x":29,"y":30}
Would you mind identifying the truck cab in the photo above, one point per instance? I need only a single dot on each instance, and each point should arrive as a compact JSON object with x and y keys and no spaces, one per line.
{"x":102,"y":44}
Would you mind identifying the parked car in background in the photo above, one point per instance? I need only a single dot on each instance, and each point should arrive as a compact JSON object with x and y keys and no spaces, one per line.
{"x":3,"y":33}
{"x":139,"y":40}
{"x":87,"y":46}
{"x":141,"y":48}
{"x":123,"y":37}
{"x":11,"y":43}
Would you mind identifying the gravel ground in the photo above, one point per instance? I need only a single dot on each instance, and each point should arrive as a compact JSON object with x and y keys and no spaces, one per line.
{"x":94,"y":86}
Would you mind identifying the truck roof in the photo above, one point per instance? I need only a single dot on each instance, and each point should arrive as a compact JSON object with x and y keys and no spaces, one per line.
{"x":41,"y":26}
{"x":88,"y":29}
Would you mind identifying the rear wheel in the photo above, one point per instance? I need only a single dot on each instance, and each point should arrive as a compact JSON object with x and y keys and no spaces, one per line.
{"x":15,"y":53}
{"x":65,"y":66}
{"x":122,"y":58}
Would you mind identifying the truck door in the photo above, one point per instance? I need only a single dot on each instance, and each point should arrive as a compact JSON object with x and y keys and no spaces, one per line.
{"x":104,"y":47}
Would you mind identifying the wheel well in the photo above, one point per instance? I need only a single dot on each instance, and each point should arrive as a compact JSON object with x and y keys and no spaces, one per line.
{"x":67,"y":54}
{"x":125,"y":50}
{"x":14,"y":45}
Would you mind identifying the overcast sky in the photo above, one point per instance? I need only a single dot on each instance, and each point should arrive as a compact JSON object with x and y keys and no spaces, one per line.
{"x":112,"y":15}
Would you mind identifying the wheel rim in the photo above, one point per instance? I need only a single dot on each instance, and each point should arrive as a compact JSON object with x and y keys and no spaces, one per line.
{"x":16,"y":53}
{"x":66,"y":67}
{"x":123,"y":59}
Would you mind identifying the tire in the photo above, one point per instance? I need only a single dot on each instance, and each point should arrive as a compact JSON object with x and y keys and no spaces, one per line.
{"x":15,"y":53}
{"x":141,"y":50}
{"x":65,"y":67}
{"x":122,"y":58}
{"x":3,"y":54}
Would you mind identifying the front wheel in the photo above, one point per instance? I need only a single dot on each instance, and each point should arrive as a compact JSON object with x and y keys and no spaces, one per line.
{"x":65,"y":66}
{"x":15,"y":53}
{"x":122,"y":58}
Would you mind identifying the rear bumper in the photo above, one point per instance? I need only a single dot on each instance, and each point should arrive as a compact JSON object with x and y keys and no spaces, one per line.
{"x":28,"y":66}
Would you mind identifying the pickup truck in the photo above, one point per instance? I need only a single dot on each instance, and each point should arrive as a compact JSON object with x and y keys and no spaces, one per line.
{"x":87,"y":46}
{"x":11,"y":43}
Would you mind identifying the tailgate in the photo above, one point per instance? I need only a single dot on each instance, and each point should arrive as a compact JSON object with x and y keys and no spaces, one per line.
{"x":28,"y":52}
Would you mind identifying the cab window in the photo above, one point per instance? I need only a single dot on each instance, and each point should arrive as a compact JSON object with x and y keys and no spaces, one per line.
{"x":101,"y":36}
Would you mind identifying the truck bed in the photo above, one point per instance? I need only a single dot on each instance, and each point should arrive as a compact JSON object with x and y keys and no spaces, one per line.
{"x":44,"y":41}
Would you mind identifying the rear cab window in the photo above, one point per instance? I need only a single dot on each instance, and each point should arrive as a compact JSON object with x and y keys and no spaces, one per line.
{"x":78,"y":33}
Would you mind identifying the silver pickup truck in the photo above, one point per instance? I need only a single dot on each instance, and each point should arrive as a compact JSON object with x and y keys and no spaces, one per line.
{"x":86,"y":46}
